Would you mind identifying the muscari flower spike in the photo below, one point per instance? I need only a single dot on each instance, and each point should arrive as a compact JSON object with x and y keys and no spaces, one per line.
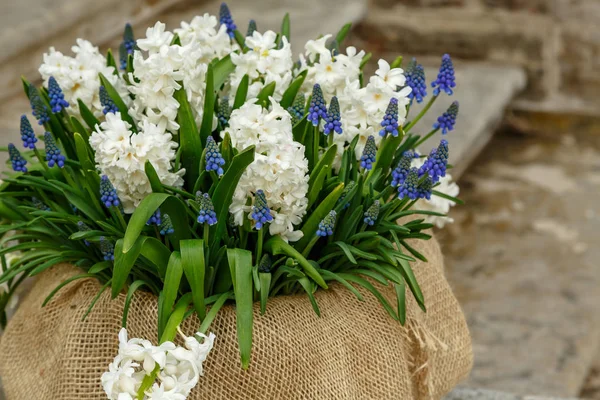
{"x":446,"y":121}
{"x":38,"y":108}
{"x":17,"y":160}
{"x":108,"y":193}
{"x":107,"y":249}
{"x":344,"y":194}
{"x":155,"y":219}
{"x":410,"y":187}
{"x":297,"y":108}
{"x":415,"y":79}
{"x":327,"y":224}
{"x":251,"y":28}
{"x":56,"y":96}
{"x":401,"y":171}
{"x":425,"y":187}
{"x":436,"y":162}
{"x":372,"y":213}
{"x":317,"y":109}
{"x":445,"y":80}
{"x":390,"y":119}
{"x":108,"y":103}
{"x":261,"y":213}
{"x":82,"y":227}
{"x":223,"y":111}
{"x":127,"y":46}
{"x":214,"y":159}
{"x":37,"y":203}
{"x":207,"y":212}
{"x":265,"y":264}
{"x":27,"y":134}
{"x":369,"y":154}
{"x":166,"y":226}
{"x":53,"y":153}
{"x":226,"y":19}
{"x":333,"y":121}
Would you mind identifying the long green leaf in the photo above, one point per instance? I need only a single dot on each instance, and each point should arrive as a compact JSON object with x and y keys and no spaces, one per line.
{"x":170,"y":290}
{"x":212,"y":313}
{"x":176,"y":318}
{"x":132,"y":289}
{"x":153,"y":178}
{"x":401,"y":296}
{"x":192,"y":258}
{"x":189,"y":140}
{"x":209,"y":107}
{"x":81,"y":148}
{"x":265,"y":285}
{"x":242,"y":262}
{"x":263,"y":96}
{"x":87,"y":115}
{"x":114,"y":95}
{"x":63,"y":284}
{"x":341,"y":35}
{"x":241,"y":94}
{"x":124,"y":262}
{"x":409,"y":276}
{"x":221,"y":71}
{"x":290,"y":93}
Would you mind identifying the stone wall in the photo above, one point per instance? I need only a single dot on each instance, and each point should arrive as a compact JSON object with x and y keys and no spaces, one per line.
{"x":556,"y":41}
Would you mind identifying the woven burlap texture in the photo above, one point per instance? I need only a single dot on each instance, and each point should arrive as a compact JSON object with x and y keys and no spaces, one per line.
{"x":353,"y":351}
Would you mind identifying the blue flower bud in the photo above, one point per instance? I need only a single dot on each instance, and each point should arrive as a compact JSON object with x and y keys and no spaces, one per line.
{"x":223,"y":111}
{"x":401,"y":171}
{"x":372,"y":213}
{"x":261,"y":213}
{"x":27,"y":134}
{"x":166,"y":225}
{"x":347,"y":189}
{"x":107,"y":249}
{"x":369,"y":154}
{"x":37,"y":203}
{"x":251,"y":28}
{"x":214,"y":160}
{"x":265,"y":264}
{"x":108,"y":193}
{"x":106,"y":102}
{"x":317,"y":109}
{"x":390,"y":119}
{"x":226,"y":19}
{"x":415,"y":79}
{"x":38,"y":108}
{"x":436,"y":162}
{"x":410,"y":187}
{"x":445,"y":80}
{"x":327,"y":224}
{"x":82,"y":227}
{"x":56,"y":96}
{"x":53,"y":153}
{"x":297,"y":108}
{"x":207,"y":212}
{"x":447,"y":120}
{"x":155,"y":219}
{"x":16,"y":159}
{"x":333,"y":121}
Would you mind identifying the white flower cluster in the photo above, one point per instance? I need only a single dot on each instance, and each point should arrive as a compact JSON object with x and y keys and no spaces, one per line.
{"x":279,"y":168}
{"x":179,"y":367}
{"x":160,"y":66}
{"x":436,"y":203}
{"x":78,"y":76}
{"x":121,"y":155}
{"x":361,"y":109}
{"x":264,"y":63}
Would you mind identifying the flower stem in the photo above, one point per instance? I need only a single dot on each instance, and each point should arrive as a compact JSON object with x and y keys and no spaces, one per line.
{"x":68,"y":178}
{"x":309,"y":246}
{"x":42,"y":161}
{"x":259,"y":245}
{"x":424,"y":138}
{"x":423,"y":112}
{"x":206,"y":232}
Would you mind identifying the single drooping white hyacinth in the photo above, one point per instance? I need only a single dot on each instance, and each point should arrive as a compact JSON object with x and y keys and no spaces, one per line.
{"x":78,"y":76}
{"x":264,"y":63}
{"x":179,"y":368}
{"x":121,"y":155}
{"x":436,"y":203}
{"x":280,"y":168}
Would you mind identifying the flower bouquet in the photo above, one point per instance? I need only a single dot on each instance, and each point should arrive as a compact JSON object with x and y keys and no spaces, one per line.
{"x":205,"y":180}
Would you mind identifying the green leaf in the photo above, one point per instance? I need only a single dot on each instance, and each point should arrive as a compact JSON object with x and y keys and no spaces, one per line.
{"x":409,"y":276}
{"x":276,"y":245}
{"x":290,"y":93}
{"x":265,"y":285}
{"x":331,"y":276}
{"x":241,"y":94}
{"x":63,"y":284}
{"x":346,"y":249}
{"x":189,"y":140}
{"x":221,"y":71}
{"x":124,"y":262}
{"x":95,"y":300}
{"x":306,"y":285}
{"x":79,"y":128}
{"x":212,"y":313}
{"x":176,"y":318}
{"x":341,"y":35}
{"x":81,"y":148}
{"x":323,"y":164}
{"x":447,"y":197}
{"x":170,"y":290}
{"x":132,"y":289}
{"x":223,"y":193}
{"x":192,"y":259}
{"x":85,"y":206}
{"x":153,"y":178}
{"x":312,"y":223}
{"x":242,"y":264}
{"x":315,"y":190}
{"x":263,"y":96}
{"x":99,"y":267}
{"x":88,"y":116}
{"x":110,"y":61}
{"x":401,"y":296}
{"x":157,"y":253}
{"x":285,"y":27}
{"x":367,"y":285}
{"x":209,"y":107}
{"x":114,"y":95}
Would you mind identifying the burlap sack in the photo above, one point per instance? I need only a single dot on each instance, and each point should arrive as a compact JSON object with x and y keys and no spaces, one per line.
{"x":354,"y":351}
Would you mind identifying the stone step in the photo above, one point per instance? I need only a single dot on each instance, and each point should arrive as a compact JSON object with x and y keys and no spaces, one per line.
{"x":483,"y":394}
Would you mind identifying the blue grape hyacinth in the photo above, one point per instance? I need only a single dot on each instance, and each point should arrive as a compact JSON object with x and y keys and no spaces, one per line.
{"x":56,"y":96}
{"x":425,"y":187}
{"x":166,"y":226}
{"x":372,"y":213}
{"x":446,"y":121}
{"x":390,"y":119}
{"x":37,"y":203}
{"x":297,"y":108}
{"x":265,"y":264}
{"x":436,"y":163}
{"x":108,"y":193}
{"x":342,"y":199}
{"x":410,"y":187}
{"x":155,"y":219}
{"x":333,"y":121}
{"x":27,"y":134}
{"x":106,"y":102}
{"x":16,"y":159}
{"x":369,"y":154}
{"x":82,"y":227}
{"x":327,"y":224}
{"x":226,"y":19}
{"x":53,"y":154}
{"x":214,"y":159}
{"x":107,"y":249}
{"x":38,"y":108}
{"x":400,"y":173}
{"x":207,"y":213}
{"x":251,"y":28}
{"x":223,"y":111}
{"x":317,"y":109}
{"x":445,"y":80}
{"x":415,"y":79}
{"x":261,"y":213}
{"x":127,"y":46}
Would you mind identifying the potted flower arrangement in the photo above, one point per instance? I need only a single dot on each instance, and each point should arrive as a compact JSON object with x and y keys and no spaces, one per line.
{"x":217,"y":190}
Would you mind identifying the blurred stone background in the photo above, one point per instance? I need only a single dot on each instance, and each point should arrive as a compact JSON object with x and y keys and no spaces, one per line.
{"x":522,"y":254}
